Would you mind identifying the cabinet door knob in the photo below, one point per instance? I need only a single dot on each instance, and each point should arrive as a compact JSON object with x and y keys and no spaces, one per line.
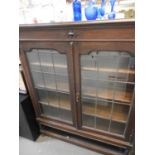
{"x":77,"y":97}
{"x":71,"y":43}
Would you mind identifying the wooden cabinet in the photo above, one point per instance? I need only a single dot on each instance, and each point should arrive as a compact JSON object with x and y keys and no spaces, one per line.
{"x":81,"y":80}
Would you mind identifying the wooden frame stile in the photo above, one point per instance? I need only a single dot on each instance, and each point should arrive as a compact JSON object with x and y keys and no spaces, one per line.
{"x":28,"y":80}
{"x":73,"y":88}
{"x":77,"y":83}
{"x":130,"y":130}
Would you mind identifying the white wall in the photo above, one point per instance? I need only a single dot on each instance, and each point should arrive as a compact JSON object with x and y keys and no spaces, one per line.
{"x":45,"y":11}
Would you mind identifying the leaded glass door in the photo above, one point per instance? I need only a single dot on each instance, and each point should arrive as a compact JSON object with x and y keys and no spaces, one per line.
{"x":106,"y":79}
{"x":51,"y":81}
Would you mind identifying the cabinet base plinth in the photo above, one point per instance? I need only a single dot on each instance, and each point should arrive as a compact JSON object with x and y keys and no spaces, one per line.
{"x":84,"y":142}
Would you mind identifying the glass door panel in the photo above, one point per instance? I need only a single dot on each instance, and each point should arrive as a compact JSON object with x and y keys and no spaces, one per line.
{"x":49,"y":72}
{"x":107,"y":86}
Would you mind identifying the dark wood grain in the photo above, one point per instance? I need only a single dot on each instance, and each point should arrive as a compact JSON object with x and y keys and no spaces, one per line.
{"x":81,"y":142}
{"x":28,"y":80}
{"x":115,"y":35}
{"x":106,"y":30}
{"x":84,"y":133}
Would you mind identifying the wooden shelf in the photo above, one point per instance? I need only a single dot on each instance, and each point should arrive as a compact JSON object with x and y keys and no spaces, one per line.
{"x":88,"y":109}
{"x":103,"y":112}
{"x":49,"y":65}
{"x":43,"y":72}
{"x":63,"y":104}
{"x":108,"y":95}
{"x":115,"y":127}
{"x":125,"y":71}
{"x":104,"y":100}
{"x":52,"y":90}
{"x":114,"y":81}
{"x":119,"y":114}
{"x":56,"y":113}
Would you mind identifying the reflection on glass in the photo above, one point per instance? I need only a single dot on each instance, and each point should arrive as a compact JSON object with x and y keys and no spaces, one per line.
{"x":117,"y":127}
{"x":107,"y":85}
{"x":60,"y":63}
{"x":53,"y":99}
{"x":88,"y":120}
{"x":102,"y":124}
{"x":89,"y":106}
{"x":64,"y":101}
{"x":38,"y":79}
{"x":49,"y":80}
{"x":49,"y":73}
{"x":43,"y":96}
{"x":105,"y":90}
{"x":62,"y":83}
{"x":103,"y":109}
{"x":88,"y":87}
{"x":120,"y":112}
{"x":33,"y":59}
{"x":123,"y":92}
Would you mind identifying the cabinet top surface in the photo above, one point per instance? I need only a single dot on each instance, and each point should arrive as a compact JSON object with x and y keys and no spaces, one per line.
{"x":82,"y":23}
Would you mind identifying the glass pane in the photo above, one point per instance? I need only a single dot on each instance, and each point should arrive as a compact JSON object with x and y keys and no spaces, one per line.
{"x":64,"y":101}
{"x":105,"y":90}
{"x":43,"y":96}
{"x":60,"y":63}
{"x":120,"y":112}
{"x":123,"y":92}
{"x":88,"y":106}
{"x":51,"y":111}
{"x":102,"y":124}
{"x":46,"y":62}
{"x":88,"y":120}
{"x":65,"y":107}
{"x":103,"y":109}
{"x":53,"y":99}
{"x":33,"y":59}
{"x":38,"y":79}
{"x":50,"y":78}
{"x":88,"y":66}
{"x":50,"y":81}
{"x":62,"y":83}
{"x":117,"y":127}
{"x":89,"y":87}
{"x":66,"y":115}
{"x":107,"y":85}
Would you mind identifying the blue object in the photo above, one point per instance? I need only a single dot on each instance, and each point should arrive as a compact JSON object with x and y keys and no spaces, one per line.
{"x":91,"y":12}
{"x":112,"y":14}
{"x":77,"y":10}
{"x":112,"y":3}
{"x":101,"y":10}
